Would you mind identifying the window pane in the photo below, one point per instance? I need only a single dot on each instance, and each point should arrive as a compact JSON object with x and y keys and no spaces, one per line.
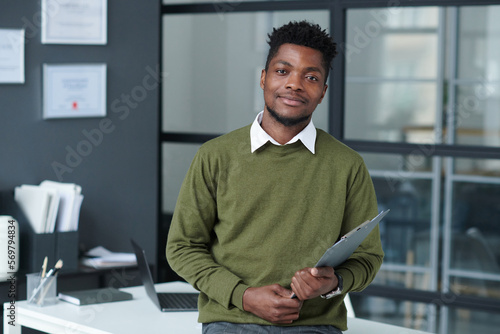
{"x":392,"y":112}
{"x":390,"y":311}
{"x":480,"y":167}
{"x":391,"y":74}
{"x":405,"y":231}
{"x":475,"y":233}
{"x":465,"y":321}
{"x":392,"y":42}
{"x":479,"y":43}
{"x":176,"y":161}
{"x":477,"y":115}
{"x":214,"y":69}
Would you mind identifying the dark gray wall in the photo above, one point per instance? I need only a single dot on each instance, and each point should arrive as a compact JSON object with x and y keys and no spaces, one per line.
{"x":119,"y":173}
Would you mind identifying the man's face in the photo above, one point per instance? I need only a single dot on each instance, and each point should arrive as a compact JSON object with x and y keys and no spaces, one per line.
{"x":294,"y":84}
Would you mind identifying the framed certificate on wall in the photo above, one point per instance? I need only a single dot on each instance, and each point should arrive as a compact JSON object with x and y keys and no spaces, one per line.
{"x":74,"y":90}
{"x":74,"y":22}
{"x":11,"y":56}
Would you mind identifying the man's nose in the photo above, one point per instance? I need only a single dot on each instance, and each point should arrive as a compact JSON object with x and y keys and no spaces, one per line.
{"x":294,"y":81}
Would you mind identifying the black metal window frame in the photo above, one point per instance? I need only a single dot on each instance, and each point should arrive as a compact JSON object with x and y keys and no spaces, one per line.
{"x":338,"y":10}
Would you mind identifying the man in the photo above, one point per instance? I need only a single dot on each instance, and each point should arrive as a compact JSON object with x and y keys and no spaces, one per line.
{"x":262,"y":202}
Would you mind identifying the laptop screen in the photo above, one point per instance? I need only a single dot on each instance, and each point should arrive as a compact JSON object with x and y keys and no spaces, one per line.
{"x":146,"y":276}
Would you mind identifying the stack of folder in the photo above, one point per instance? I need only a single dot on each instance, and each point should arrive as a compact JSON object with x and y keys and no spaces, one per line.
{"x":99,"y":257}
{"x":50,"y":206}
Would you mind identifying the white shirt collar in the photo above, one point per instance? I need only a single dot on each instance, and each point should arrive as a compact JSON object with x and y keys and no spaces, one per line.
{"x":258,"y":137}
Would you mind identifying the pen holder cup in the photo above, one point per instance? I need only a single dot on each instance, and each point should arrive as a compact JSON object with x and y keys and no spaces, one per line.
{"x":41,"y":291}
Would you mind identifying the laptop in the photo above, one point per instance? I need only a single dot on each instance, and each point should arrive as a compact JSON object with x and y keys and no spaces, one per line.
{"x":343,"y":248}
{"x":165,"y":301}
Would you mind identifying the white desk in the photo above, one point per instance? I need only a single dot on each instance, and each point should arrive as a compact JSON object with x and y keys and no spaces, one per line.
{"x":139,"y":315}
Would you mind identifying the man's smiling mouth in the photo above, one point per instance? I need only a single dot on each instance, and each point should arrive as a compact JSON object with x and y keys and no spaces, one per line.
{"x":291,"y":100}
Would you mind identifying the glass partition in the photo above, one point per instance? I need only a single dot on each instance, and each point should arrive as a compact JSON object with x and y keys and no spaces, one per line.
{"x":392,"y":74}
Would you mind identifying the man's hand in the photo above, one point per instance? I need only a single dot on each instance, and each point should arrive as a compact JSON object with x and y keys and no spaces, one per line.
{"x":272,"y":303}
{"x":309,"y":283}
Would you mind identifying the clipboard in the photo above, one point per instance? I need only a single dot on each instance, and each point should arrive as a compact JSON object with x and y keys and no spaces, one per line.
{"x":343,"y":248}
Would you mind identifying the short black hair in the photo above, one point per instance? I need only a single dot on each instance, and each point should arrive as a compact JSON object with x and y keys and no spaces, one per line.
{"x":305,"y":34}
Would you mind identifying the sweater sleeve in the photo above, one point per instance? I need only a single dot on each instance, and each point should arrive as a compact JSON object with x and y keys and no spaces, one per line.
{"x":361,"y":205}
{"x":189,"y":237}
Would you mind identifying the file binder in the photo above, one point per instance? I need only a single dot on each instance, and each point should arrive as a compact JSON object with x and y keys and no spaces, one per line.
{"x":35,"y":246}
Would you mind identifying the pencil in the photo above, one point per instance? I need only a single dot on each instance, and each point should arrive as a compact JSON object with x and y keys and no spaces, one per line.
{"x":44,"y":267}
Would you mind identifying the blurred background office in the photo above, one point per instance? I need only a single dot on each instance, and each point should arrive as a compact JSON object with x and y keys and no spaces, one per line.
{"x":415,"y":89}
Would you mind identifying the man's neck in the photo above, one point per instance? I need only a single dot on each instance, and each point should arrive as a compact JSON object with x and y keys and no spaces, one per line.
{"x":279,"y":132}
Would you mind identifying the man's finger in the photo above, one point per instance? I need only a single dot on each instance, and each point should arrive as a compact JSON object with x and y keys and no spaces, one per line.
{"x":283,"y":292}
{"x":323,"y":272}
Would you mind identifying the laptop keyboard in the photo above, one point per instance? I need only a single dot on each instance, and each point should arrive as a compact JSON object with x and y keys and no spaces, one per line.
{"x":179,"y":301}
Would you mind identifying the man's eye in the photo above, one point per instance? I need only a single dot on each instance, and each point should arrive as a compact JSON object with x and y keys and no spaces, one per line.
{"x":312,"y":78}
{"x":281,"y":71}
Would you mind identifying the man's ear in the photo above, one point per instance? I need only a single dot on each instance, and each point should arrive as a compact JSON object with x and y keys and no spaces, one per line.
{"x":262,"y":78}
{"x":324,"y":92}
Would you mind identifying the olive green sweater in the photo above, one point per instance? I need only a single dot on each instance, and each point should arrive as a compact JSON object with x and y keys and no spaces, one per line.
{"x":247,"y":219}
